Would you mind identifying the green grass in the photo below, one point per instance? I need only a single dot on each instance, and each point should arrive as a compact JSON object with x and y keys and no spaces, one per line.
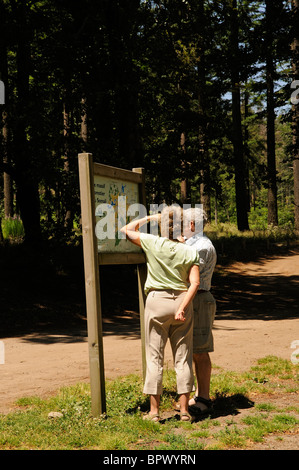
{"x":233,"y":244}
{"x":29,"y":427}
{"x":12,"y":228}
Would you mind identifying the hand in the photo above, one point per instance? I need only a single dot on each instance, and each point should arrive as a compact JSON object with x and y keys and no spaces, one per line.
{"x":180,"y":315}
{"x":155,"y":217}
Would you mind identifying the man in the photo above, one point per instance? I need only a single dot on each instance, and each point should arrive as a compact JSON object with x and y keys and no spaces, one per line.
{"x":204,"y":306}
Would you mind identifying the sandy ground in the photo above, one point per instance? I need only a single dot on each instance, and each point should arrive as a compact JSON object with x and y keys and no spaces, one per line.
{"x":35,"y":368}
{"x":258,"y":306}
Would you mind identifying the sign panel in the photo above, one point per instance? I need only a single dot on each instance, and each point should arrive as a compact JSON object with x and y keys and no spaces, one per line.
{"x":116,"y":203}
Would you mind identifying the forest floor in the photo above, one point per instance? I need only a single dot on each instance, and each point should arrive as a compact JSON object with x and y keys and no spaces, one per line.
{"x":257,"y":316}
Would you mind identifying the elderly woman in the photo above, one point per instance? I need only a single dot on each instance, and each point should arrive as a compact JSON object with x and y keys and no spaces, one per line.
{"x":172,"y":281}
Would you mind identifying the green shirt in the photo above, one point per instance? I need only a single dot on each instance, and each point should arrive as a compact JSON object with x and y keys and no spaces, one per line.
{"x":168,"y":262}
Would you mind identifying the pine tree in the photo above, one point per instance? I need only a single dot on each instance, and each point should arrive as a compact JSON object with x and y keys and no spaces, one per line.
{"x":271,"y":15}
{"x":295,"y":110}
{"x":239,"y":163}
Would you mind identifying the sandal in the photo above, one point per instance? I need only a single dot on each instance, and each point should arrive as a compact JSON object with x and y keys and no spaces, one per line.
{"x":152,"y":417}
{"x":197,"y":409}
{"x":185,"y":417}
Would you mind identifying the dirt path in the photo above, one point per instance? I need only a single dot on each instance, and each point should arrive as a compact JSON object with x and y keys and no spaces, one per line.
{"x":258,"y":305}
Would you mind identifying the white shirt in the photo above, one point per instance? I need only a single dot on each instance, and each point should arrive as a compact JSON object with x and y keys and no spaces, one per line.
{"x":207,"y":258}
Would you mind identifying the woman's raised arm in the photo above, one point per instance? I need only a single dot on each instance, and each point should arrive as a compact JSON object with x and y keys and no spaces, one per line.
{"x":131,"y":229}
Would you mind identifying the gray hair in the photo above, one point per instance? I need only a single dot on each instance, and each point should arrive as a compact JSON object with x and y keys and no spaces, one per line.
{"x":196,"y":215}
{"x":172,"y":222}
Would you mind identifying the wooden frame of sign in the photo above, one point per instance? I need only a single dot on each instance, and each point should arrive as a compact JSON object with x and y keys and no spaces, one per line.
{"x":88,"y":171}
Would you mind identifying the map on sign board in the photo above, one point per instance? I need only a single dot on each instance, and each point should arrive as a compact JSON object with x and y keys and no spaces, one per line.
{"x":116,"y":204}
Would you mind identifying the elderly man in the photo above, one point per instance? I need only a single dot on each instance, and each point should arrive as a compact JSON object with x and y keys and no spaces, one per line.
{"x":204,"y":306}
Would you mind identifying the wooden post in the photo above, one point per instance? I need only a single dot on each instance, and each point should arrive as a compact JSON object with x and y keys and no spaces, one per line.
{"x":92,"y":286}
{"x":141,"y":273}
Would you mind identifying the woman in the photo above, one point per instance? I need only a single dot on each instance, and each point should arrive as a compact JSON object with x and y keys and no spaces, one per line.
{"x":171,"y":267}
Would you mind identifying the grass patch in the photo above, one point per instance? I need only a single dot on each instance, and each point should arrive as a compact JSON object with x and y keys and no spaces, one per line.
{"x":12,"y":228}
{"x":230,"y":243}
{"x":124,"y":429}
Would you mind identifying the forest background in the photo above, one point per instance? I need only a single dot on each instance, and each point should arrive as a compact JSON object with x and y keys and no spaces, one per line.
{"x":201,"y":94}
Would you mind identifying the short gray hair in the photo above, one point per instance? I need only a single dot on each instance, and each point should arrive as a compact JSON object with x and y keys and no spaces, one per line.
{"x":196,"y":215}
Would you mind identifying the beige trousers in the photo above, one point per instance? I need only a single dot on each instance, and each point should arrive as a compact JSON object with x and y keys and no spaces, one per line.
{"x":160,"y":309}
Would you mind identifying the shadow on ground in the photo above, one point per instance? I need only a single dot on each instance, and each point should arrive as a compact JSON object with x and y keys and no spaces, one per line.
{"x":43,"y":295}
{"x":256,"y":297}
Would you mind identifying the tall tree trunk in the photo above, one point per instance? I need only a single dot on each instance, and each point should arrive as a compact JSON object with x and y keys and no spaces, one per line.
{"x":295,"y":120}
{"x":185,"y":196}
{"x":121,"y":38}
{"x":205,"y":186}
{"x":84,"y":128}
{"x":68,"y":218}
{"x":7,"y":179}
{"x":271,"y":159}
{"x":246,"y":146}
{"x":1,"y":234}
{"x":237,"y":137}
{"x":26,"y":177}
